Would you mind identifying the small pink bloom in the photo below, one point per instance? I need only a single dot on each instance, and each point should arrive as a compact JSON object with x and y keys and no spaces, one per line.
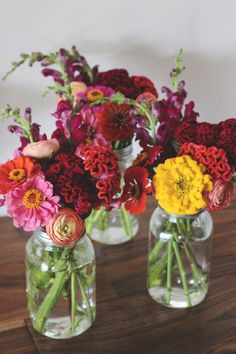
{"x":220,"y":197}
{"x":65,"y":228}
{"x":32,"y":204}
{"x":42,"y":149}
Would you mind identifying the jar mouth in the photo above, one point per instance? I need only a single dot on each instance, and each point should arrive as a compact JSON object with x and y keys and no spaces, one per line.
{"x":42,"y":236}
{"x":184,"y":216}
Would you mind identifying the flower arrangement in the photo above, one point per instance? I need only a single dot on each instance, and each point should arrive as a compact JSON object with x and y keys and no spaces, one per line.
{"x":63,"y":183}
{"x":99,"y":109}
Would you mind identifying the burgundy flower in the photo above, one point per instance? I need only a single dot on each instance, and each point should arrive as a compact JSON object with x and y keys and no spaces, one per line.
{"x":220,"y":197}
{"x":206,"y":134}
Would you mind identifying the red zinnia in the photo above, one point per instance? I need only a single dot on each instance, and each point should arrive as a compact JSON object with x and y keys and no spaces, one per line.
{"x":135,"y":190}
{"x":16,"y":171}
{"x":115,"y":122}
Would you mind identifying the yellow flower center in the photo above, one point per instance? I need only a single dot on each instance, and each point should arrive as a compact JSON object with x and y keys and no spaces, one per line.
{"x":182,"y":185}
{"x":32,"y":198}
{"x":94,"y":94}
{"x":17,"y":174}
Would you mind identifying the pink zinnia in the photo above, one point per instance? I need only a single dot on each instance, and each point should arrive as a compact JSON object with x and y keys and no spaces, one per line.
{"x":93,"y":93}
{"x":32,"y":204}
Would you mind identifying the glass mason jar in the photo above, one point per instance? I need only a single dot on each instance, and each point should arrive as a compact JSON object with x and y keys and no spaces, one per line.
{"x":60,"y":286}
{"x":118,"y":225}
{"x":179,"y":258}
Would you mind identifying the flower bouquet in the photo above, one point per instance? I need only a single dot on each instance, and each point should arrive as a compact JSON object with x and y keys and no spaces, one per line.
{"x":103,"y":111}
{"x":50,"y":188}
{"x":191,"y":166}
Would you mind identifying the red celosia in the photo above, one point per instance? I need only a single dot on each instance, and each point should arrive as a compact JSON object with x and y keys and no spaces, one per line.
{"x":116,"y":121}
{"x":143,"y":84}
{"x":135,"y":189}
{"x":101,"y":162}
{"x":131,"y":87}
{"x":207,"y":134}
{"x":185,"y":133}
{"x":215,"y":160}
{"x":71,"y":182}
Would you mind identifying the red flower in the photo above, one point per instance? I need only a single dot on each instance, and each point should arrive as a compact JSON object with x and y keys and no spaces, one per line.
{"x":207,"y":134}
{"x":215,"y":160}
{"x":185,"y":133}
{"x":143,"y":84}
{"x":131,"y":87}
{"x":135,"y":190}
{"x":102,"y":163}
{"x":115,"y":121}
{"x":16,"y":171}
{"x":220,"y":197}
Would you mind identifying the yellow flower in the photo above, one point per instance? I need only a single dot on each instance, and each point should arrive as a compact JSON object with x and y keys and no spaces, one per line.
{"x":179,"y":184}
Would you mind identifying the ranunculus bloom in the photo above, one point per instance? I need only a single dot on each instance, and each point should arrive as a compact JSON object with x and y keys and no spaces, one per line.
{"x":42,"y":149}
{"x":65,"y":228}
{"x":77,"y":87}
{"x":32,"y":204}
{"x":135,"y":190}
{"x":15,"y":172}
{"x":220,"y":197}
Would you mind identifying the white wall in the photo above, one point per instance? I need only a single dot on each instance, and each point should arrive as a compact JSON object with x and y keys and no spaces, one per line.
{"x":142,"y":36}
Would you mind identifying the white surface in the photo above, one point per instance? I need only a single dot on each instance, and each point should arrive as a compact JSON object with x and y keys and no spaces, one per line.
{"x":142,"y":36}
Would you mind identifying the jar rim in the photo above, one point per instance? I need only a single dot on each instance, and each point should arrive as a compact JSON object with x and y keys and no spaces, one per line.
{"x":42,"y":236}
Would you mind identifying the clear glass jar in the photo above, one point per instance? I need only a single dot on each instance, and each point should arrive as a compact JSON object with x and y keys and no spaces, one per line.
{"x":60,"y":286}
{"x":179,"y":258}
{"x":118,"y":225}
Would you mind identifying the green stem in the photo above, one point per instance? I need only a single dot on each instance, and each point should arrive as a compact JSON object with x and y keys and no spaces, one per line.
{"x":182,"y":271}
{"x":50,"y":300}
{"x":169,"y":271}
{"x":125,"y":220}
{"x":102,"y":222}
{"x":197,"y":273}
{"x":73,"y":301}
{"x":155,"y":271}
{"x":85,"y":298}
{"x":155,"y":251}
{"x":92,"y":219}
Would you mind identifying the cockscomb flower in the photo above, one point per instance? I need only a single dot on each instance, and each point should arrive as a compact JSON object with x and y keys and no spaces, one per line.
{"x":180,"y":184}
{"x":65,"y":228}
{"x":32,"y":204}
{"x":16,"y":171}
{"x":136,"y":187}
{"x":215,"y":160}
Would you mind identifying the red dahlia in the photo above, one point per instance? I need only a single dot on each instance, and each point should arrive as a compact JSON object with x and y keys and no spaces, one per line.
{"x":115,"y":121}
{"x":135,"y":190}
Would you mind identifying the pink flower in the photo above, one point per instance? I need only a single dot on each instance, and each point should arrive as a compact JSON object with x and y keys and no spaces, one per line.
{"x":65,"y":228}
{"x":94,"y":93}
{"x":220,"y":197}
{"x":42,"y":149}
{"x":84,"y":130}
{"x":32,"y":204}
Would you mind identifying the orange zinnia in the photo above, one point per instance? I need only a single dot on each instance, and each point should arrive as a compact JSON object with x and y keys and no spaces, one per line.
{"x":16,"y":171}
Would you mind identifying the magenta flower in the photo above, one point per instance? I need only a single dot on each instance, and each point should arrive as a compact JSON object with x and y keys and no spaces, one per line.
{"x":94,"y":93}
{"x":32,"y":204}
{"x":84,"y":130}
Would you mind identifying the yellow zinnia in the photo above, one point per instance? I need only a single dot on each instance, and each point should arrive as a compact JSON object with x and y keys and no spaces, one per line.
{"x":179,"y":184}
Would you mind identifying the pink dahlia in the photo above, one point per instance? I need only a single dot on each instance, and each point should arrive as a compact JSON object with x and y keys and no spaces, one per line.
{"x":32,"y":204}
